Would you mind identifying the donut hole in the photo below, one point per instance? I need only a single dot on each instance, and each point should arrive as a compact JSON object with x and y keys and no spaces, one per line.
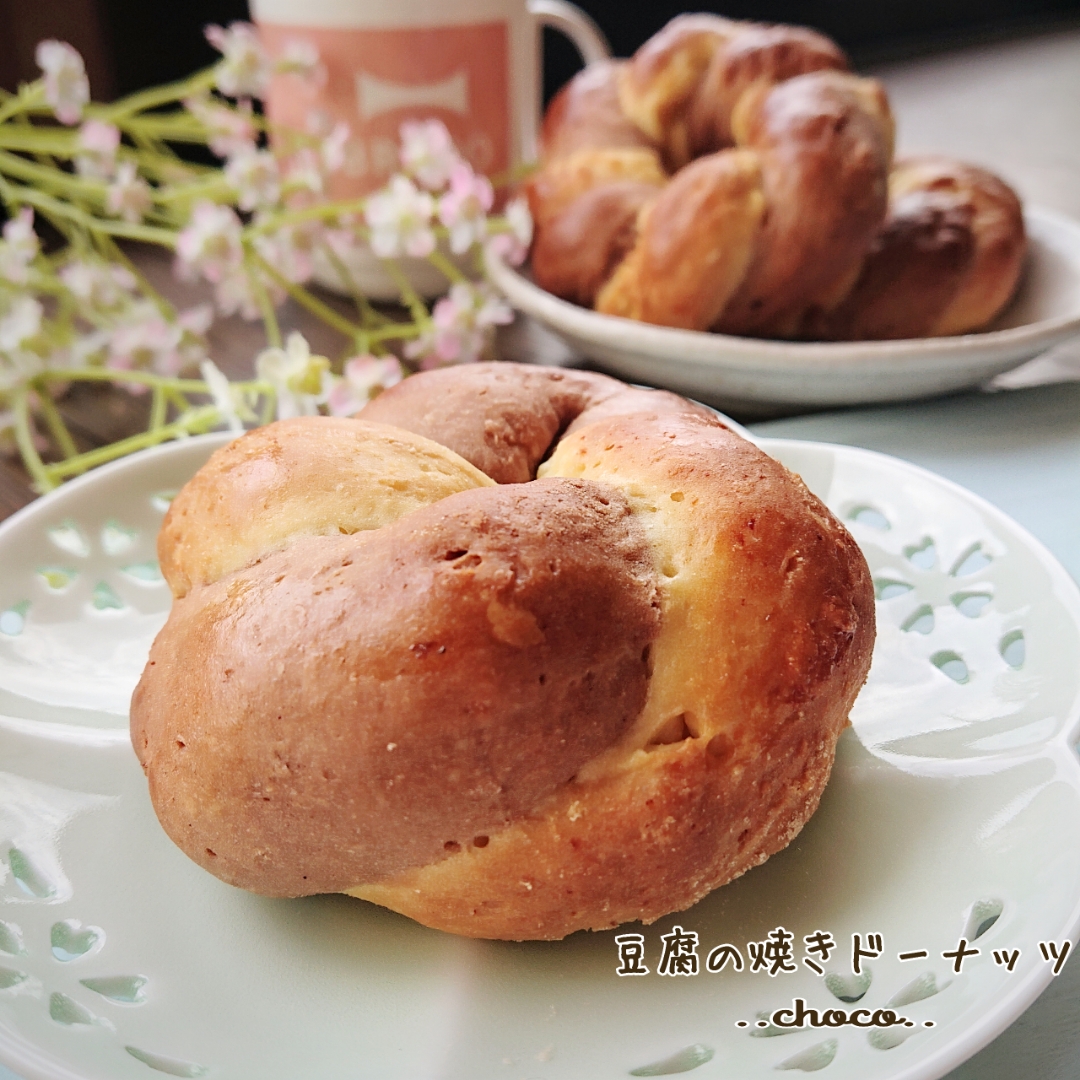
{"x":452,"y":846}
{"x":675,"y":729}
{"x":481,"y":841}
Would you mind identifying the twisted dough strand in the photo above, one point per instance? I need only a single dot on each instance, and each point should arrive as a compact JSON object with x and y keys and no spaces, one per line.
{"x":787,"y":221}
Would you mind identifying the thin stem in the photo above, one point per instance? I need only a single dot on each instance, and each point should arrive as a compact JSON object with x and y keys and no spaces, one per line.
{"x":396,"y":330}
{"x":157,"y":96}
{"x":446,"y":267}
{"x":159,"y":409}
{"x":17,"y":166}
{"x":197,"y":420}
{"x":24,"y":439}
{"x":266,"y":305}
{"x":417,"y":307}
{"x":207,"y":188}
{"x":54,"y":207}
{"x":55,"y":423}
{"x":116,"y":375}
{"x":269,"y":406}
{"x":27,"y":97}
{"x":273,"y":222}
{"x":312,"y":303}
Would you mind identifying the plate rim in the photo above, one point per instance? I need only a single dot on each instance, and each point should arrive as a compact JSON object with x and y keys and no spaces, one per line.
{"x":726,"y":353}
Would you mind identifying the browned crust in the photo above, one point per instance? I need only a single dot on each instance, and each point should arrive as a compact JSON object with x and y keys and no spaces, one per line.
{"x":658,"y":84}
{"x":586,"y":114}
{"x":504,"y":418}
{"x":824,"y":141}
{"x":997,"y":230}
{"x":753,"y":58}
{"x":694,"y":242}
{"x":558,"y":184}
{"x":701,"y":622}
{"x":354,"y":706}
{"x":771,"y":644}
{"x":921,"y":255}
{"x":580,"y":247}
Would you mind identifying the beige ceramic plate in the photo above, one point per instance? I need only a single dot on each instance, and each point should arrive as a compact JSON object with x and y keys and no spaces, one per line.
{"x":751,"y":376}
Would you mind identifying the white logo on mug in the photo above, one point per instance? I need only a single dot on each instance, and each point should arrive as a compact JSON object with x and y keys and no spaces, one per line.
{"x":377,"y":96}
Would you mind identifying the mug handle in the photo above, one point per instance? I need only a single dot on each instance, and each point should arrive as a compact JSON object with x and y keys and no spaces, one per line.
{"x":575,"y":24}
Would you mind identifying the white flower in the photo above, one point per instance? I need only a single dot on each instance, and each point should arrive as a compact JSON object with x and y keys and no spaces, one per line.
{"x":301,"y":381}
{"x":332,"y":149}
{"x":513,"y":246}
{"x":303,"y":179}
{"x":290,"y":250}
{"x":19,"y":247}
{"x":463,"y":209}
{"x":227,"y":401}
{"x":461,"y":328}
{"x":98,"y":143}
{"x":67,"y":89}
{"x":17,"y":367}
{"x":428,"y":152}
{"x":147,"y":340}
{"x":21,"y":320}
{"x":301,"y":57}
{"x":245,"y":70}
{"x":365,"y":377}
{"x":210,"y":244}
{"x":400,"y":220}
{"x":229,"y":131}
{"x":102,"y":287}
{"x":235,"y":295}
{"x":255,"y":177}
{"x":129,"y":195}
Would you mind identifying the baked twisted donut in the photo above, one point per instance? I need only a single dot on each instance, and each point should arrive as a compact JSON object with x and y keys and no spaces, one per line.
{"x":736,"y":177}
{"x":398,"y":665}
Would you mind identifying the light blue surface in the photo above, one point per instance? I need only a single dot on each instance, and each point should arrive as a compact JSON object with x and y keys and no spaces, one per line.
{"x":1020,"y":449}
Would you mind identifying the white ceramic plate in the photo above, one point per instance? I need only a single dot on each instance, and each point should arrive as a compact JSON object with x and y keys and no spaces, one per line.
{"x":752,"y":376}
{"x":954,"y":808}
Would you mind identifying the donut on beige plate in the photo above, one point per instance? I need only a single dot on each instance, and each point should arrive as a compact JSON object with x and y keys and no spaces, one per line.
{"x":516,"y":652}
{"x":737,"y":177}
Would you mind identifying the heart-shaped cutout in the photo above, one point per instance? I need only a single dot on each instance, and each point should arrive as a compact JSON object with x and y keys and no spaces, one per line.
{"x":70,"y":939}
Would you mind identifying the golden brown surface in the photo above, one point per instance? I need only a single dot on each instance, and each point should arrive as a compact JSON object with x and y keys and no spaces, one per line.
{"x":833,"y":256}
{"x":258,"y":493}
{"x":586,"y":114}
{"x":767,"y":627}
{"x":357,"y":705}
{"x":693,"y":244}
{"x":525,"y":709}
{"x":580,"y":247}
{"x":947,"y":258}
{"x":756,"y":57}
{"x":824,"y":142}
{"x":997,"y":228}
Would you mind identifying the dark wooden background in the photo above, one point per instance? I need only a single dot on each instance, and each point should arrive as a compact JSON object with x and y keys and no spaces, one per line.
{"x":129,"y":44}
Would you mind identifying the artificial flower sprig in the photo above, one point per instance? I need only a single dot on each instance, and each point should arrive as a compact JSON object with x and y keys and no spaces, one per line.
{"x":255,"y":227}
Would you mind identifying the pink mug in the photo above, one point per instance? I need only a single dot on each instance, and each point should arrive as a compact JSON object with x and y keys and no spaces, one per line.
{"x":474,"y":64}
